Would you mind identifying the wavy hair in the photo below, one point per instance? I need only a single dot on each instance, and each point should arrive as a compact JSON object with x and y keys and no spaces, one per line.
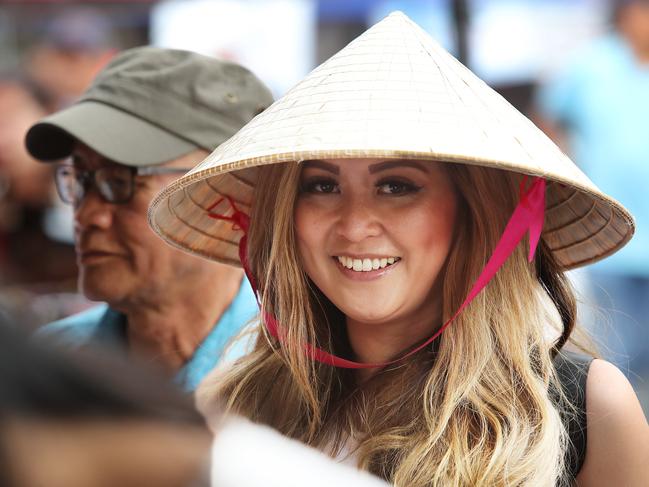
{"x":475,"y":408}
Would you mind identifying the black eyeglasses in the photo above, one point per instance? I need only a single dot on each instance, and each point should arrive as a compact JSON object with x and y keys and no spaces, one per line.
{"x":115,"y":184}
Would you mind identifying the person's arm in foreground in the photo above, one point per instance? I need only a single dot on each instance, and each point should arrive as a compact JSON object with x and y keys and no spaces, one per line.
{"x":245,"y":454}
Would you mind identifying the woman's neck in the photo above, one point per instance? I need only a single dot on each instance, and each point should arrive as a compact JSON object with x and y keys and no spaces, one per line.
{"x":385,"y":341}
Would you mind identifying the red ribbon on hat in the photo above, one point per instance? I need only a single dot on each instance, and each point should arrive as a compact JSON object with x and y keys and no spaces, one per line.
{"x":527,"y":216}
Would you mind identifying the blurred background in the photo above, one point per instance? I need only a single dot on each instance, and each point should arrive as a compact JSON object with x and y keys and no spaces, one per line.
{"x":578,"y":68}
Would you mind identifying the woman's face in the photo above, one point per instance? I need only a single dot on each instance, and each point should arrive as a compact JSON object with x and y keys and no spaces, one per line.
{"x":373,"y":235}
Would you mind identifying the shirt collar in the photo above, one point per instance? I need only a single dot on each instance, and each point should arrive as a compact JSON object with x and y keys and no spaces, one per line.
{"x":112,"y":331}
{"x":242,"y":309}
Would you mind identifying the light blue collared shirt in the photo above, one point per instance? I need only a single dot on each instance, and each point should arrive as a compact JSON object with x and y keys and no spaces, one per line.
{"x":107,"y":327}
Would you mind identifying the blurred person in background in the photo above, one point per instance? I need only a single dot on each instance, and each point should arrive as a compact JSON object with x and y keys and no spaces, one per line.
{"x":23,"y":178}
{"x":598,"y":108}
{"x":149,"y":116}
{"x":67,"y":47}
{"x":75,"y":45}
{"x":32,"y":261}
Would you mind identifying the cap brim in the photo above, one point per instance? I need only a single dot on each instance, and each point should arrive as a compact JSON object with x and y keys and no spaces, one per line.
{"x":113,"y":133}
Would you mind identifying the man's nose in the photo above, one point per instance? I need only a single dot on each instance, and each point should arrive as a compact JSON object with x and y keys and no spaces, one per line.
{"x":358,"y":219}
{"x":93,"y":211}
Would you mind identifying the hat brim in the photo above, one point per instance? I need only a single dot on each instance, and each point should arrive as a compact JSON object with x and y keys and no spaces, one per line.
{"x":582,"y":225}
{"x":111,"y":132}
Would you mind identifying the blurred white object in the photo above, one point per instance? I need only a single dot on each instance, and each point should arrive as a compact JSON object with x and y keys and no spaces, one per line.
{"x":245,"y":454}
{"x":58,"y":222}
{"x":515,"y":41}
{"x":244,"y":32}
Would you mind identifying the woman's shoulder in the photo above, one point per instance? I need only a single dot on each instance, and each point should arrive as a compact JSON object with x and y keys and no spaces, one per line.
{"x":617,"y":451}
{"x":609,"y":391}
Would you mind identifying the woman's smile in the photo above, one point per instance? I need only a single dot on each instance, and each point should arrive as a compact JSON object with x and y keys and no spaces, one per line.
{"x":365,"y":268}
{"x":366,"y":264}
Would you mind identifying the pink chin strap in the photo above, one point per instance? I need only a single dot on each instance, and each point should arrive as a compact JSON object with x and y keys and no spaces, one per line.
{"x":527,"y":216}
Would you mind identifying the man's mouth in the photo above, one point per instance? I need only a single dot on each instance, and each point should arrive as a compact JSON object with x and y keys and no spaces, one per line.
{"x":91,"y":255}
{"x":366,"y":264}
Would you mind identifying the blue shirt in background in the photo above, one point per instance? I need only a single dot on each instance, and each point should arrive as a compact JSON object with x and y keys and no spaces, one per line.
{"x":105,"y":326}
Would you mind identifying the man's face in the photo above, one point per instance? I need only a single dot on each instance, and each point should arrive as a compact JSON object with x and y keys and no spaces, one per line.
{"x":121,"y":261}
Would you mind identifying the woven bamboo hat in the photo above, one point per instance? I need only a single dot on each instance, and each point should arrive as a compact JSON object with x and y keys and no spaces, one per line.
{"x":392,"y":93}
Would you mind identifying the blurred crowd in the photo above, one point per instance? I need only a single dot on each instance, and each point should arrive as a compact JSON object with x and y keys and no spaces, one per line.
{"x":594,"y":104}
{"x":38,"y":270}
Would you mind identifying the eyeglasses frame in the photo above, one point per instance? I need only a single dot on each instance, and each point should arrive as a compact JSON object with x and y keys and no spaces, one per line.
{"x":88,"y":176}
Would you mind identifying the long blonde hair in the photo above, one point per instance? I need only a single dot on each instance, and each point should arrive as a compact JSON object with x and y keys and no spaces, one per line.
{"x":475,"y":408}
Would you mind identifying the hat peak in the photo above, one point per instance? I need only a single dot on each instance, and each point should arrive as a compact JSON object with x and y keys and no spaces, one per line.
{"x":398,"y":14}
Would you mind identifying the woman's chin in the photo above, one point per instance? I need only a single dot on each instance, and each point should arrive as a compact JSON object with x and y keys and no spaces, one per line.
{"x":367,"y":316}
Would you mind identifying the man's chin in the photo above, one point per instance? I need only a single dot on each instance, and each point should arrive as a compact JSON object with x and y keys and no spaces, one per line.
{"x":94,"y":293}
{"x":101,"y":286}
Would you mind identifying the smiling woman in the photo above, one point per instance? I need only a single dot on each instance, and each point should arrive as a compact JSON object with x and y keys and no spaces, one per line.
{"x":378,"y":209}
{"x":440,"y":233}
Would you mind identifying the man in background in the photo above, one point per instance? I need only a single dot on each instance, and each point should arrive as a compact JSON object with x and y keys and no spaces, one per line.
{"x":599,"y":106}
{"x":150,"y":115}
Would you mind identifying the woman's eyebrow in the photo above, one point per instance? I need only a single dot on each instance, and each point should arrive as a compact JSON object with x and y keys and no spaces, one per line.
{"x":325,"y":166}
{"x":382,"y":166}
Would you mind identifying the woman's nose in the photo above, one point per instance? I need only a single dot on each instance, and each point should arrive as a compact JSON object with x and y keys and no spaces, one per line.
{"x":358,"y":219}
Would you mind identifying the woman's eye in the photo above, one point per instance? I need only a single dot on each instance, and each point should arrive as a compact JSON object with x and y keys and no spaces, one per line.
{"x":396,"y":187}
{"x":320,"y":186}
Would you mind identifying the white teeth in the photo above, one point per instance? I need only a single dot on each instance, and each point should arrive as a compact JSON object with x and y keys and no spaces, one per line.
{"x":347,"y":262}
{"x":366,"y":265}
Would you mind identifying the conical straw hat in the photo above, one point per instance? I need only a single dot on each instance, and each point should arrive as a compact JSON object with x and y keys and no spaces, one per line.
{"x":392,"y":93}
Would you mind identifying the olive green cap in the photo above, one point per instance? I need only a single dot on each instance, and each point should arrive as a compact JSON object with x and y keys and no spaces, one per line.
{"x":151,"y":105}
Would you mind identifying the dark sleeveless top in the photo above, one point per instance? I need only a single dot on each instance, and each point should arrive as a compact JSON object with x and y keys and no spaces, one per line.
{"x":572,"y":370}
